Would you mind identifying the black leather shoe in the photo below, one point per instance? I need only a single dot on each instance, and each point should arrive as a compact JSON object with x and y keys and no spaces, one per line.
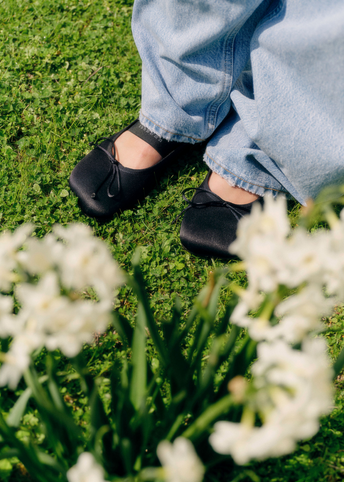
{"x":209,"y":225}
{"x":105,"y":187}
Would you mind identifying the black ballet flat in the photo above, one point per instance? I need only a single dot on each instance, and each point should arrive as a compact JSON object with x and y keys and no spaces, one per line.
{"x":105,"y":187}
{"x":209,"y":225}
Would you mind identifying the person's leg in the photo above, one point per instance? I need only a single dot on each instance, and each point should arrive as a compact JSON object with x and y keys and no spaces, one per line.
{"x":191,"y":59}
{"x":192,"y":54}
{"x":289,"y":115}
{"x":288,"y":120}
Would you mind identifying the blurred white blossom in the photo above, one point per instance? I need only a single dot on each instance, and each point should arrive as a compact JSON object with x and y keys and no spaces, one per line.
{"x":63,"y":323}
{"x":7,"y":320}
{"x":53,"y":312}
{"x":271,"y":221}
{"x":245,"y":442}
{"x":180,"y":461}
{"x":304,"y":258}
{"x":293,"y":390}
{"x":304,"y":372}
{"x":9,"y":244}
{"x":276,"y":256}
{"x":41,"y":255}
{"x":86,"y":470}
{"x":301,"y":313}
{"x":87,"y":262}
{"x":17,"y":359}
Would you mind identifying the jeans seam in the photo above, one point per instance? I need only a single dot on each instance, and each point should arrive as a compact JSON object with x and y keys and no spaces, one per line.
{"x":241,"y":179}
{"x":227,"y":79}
{"x":225,"y":93}
{"x":171,"y":132}
{"x":264,"y":21}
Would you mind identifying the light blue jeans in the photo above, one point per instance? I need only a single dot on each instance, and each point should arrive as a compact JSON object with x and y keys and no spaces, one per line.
{"x":262,"y":80}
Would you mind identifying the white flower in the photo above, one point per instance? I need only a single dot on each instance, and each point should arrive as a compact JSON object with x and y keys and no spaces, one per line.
{"x":305,"y":376}
{"x":265,"y":263}
{"x":6,"y":305}
{"x":250,"y":299}
{"x":275,"y":438}
{"x":301,"y":314}
{"x":305,"y":257}
{"x":270,"y":222}
{"x":260,"y":329}
{"x":39,"y":299}
{"x":294,"y":388}
{"x":75,"y":324}
{"x":261,"y":243}
{"x":52,"y":313}
{"x":17,"y":359}
{"x":8,"y":325}
{"x":291,"y":388}
{"x":63,"y":323}
{"x":9,"y":244}
{"x":282,"y":365}
{"x":87,"y":262}
{"x":41,"y":255}
{"x":86,"y":470}
{"x":73,"y":232}
{"x":180,"y":461}
{"x":245,"y":442}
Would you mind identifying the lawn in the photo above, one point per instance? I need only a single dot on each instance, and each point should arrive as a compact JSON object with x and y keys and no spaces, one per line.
{"x":69,"y":74}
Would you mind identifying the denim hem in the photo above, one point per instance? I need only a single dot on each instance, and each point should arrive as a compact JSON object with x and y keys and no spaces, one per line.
{"x":165,"y":133}
{"x":235,"y":180}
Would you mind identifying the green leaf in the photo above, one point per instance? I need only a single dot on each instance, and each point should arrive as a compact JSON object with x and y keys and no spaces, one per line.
{"x":9,"y":454}
{"x":126,"y":451}
{"x":53,"y":385}
{"x":98,"y":417}
{"x":26,"y":453}
{"x":18,"y":409}
{"x":137,"y":282}
{"x":219,"y":353}
{"x":138,"y":380}
{"x":338,"y":365}
{"x":214,"y":411}
{"x":123,"y":328}
{"x":60,"y":427}
{"x":49,"y":461}
{"x":240,"y":363}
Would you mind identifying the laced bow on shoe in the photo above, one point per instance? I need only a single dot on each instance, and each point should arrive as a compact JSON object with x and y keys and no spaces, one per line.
{"x":114,"y":169}
{"x":217,"y":202}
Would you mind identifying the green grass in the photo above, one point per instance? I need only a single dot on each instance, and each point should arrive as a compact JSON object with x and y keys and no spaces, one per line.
{"x":70,"y":73}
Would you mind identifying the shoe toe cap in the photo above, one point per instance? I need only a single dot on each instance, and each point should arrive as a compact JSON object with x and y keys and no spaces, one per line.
{"x":208,"y":232}
{"x":87,"y":182}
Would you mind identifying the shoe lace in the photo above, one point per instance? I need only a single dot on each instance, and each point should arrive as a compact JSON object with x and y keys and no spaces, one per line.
{"x":114,"y":169}
{"x":217,"y":202}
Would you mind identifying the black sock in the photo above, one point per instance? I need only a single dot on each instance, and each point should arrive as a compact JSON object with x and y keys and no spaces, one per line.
{"x":161,"y":145}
